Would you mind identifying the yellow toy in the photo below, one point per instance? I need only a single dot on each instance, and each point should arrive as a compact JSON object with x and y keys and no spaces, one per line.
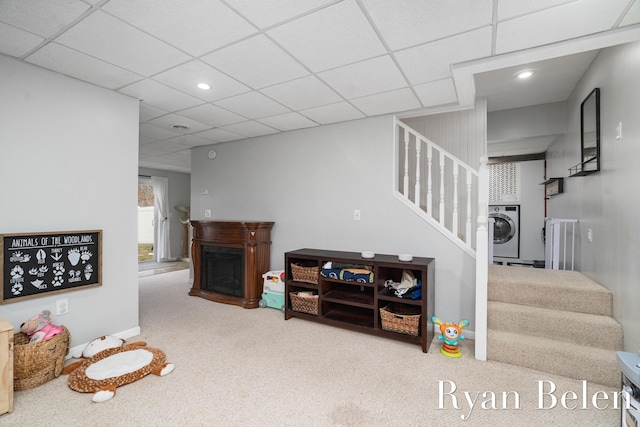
{"x":450,"y":333}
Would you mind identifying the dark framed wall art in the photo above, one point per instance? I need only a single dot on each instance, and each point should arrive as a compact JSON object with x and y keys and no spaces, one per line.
{"x":37,"y":264}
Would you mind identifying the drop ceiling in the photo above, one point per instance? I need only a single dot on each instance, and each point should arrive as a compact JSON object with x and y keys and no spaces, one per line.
{"x":280,"y":65}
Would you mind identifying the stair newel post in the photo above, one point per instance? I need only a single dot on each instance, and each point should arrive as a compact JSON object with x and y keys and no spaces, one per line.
{"x":468,"y":221}
{"x":417,"y":186}
{"x":482,"y":265}
{"x":429,"y":179}
{"x":454,"y":225}
{"x":405,"y":188}
{"x":441,"y":187}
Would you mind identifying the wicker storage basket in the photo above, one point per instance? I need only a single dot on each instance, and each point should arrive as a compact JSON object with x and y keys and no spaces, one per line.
{"x":304,"y":304}
{"x":404,"y":319}
{"x":304,"y":274}
{"x":35,"y":364}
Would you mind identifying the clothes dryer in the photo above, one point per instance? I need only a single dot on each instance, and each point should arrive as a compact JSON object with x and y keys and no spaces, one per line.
{"x":506,"y":230}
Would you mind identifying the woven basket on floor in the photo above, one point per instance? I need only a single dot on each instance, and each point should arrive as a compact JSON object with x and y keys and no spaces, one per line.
{"x":304,"y":304}
{"x":36,"y":363}
{"x":304,"y":274}
{"x":404,"y":319}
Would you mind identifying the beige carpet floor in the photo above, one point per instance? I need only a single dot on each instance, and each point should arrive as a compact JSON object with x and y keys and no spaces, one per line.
{"x":237,"y":367}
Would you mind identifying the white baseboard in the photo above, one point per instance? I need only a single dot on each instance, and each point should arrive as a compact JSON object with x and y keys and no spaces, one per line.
{"x":122,"y":335}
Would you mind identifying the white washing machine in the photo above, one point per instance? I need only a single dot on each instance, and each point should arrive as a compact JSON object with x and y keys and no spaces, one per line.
{"x":506,"y":230}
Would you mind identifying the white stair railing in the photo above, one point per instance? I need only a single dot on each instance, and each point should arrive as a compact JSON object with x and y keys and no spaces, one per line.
{"x":559,"y":233}
{"x":462,"y":194}
{"x":454,"y":186}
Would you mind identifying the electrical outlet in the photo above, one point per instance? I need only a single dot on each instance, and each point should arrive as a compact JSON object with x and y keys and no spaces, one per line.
{"x":62,"y":306}
{"x":207,"y":213}
{"x":590,"y":235}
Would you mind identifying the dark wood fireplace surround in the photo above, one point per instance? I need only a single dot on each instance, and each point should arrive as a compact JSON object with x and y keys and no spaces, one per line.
{"x":254,"y":238}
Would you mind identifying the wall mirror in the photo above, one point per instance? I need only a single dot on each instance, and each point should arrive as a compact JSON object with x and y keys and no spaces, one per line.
{"x":589,"y":135}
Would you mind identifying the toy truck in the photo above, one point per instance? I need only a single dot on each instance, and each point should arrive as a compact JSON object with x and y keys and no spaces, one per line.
{"x":273,"y":290}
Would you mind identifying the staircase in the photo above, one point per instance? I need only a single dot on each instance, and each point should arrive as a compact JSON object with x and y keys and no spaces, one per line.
{"x":553,"y":321}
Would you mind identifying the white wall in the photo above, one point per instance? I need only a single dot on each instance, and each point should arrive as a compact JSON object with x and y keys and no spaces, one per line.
{"x":310,"y":181}
{"x":607,"y":202}
{"x":68,"y":161}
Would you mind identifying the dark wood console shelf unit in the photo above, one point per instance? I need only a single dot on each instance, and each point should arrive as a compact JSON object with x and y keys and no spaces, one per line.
{"x":249,"y":241}
{"x":356,"y":306}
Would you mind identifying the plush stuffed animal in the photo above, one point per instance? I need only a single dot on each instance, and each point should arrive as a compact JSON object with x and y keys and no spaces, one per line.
{"x":109,"y":369}
{"x":40,"y":328}
{"x":96,"y":346}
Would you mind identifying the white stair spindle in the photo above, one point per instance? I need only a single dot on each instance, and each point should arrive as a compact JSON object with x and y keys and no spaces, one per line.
{"x":441,"y":187}
{"x":429,"y":179}
{"x":405,"y":188}
{"x":417,"y":186}
{"x":468,"y":222}
{"x":454,"y":225}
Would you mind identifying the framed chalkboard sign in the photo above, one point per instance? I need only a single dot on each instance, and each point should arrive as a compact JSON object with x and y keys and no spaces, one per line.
{"x":35,"y":264}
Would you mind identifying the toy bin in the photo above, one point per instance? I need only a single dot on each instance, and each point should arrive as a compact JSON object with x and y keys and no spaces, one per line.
{"x":273,"y":290}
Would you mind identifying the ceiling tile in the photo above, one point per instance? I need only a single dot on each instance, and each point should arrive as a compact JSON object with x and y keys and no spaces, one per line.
{"x":334,"y":36}
{"x":212,"y":115}
{"x":160,"y":96}
{"x":339,"y":112}
{"x":156,"y":133}
{"x":267,"y":13}
{"x":185,"y":77}
{"x":288,"y":121}
{"x":587,"y":17}
{"x":250,"y":129}
{"x":44,"y":18}
{"x":190,"y":140}
{"x":160,"y":147}
{"x":441,"y":92}
{"x":365,"y":78}
{"x":306,"y":92}
{"x":111,"y":40}
{"x":220,"y":135}
{"x":508,"y":9}
{"x":632,"y":16}
{"x":388,"y":102}
{"x":252,"y":105}
{"x":432,"y":61}
{"x":409,"y":23}
{"x":148,"y":112}
{"x":211,"y":24}
{"x":257,"y":62}
{"x":167,"y":122}
{"x":17,"y":42}
{"x":73,"y":63}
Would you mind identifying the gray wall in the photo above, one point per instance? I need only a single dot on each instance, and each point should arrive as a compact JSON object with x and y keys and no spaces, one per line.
{"x":310,"y":181}
{"x":179,"y":195}
{"x":532,"y":210}
{"x":607,"y":202}
{"x":68,"y":161}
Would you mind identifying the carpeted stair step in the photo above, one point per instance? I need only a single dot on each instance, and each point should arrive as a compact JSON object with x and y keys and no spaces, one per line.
{"x":555,"y":289}
{"x":555,"y":356}
{"x":579,"y":328}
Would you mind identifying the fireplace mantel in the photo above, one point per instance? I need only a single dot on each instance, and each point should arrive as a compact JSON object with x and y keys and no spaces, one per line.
{"x":254,"y":238}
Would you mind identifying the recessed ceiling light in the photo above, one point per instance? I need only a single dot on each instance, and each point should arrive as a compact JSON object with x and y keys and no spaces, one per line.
{"x":203,"y":86}
{"x":524,"y":74}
